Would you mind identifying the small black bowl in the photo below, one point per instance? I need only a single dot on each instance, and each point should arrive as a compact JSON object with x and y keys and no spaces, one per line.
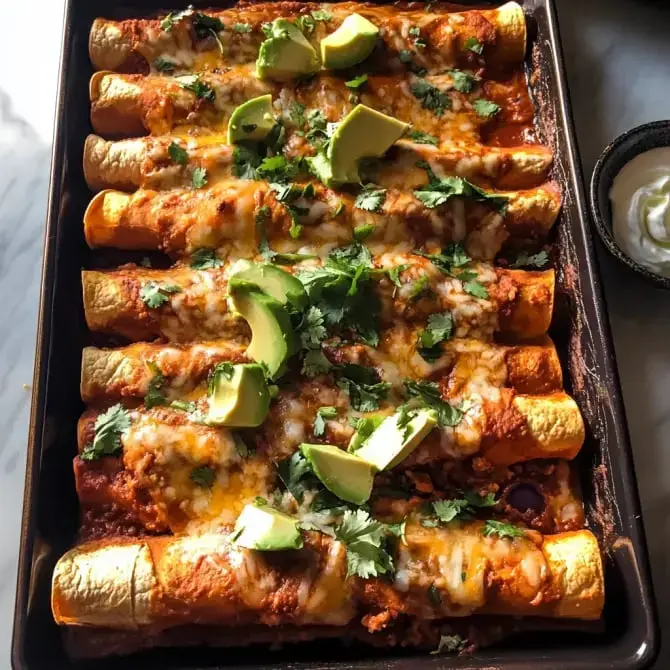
{"x":622,"y":150}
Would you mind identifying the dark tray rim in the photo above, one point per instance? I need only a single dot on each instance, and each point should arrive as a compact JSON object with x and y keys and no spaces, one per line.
{"x":637,"y":653}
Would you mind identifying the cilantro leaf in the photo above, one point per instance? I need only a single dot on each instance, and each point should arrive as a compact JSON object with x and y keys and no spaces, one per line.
{"x":449,"y":510}
{"x":296,"y":112}
{"x":315,"y":363}
{"x":439,"y":328}
{"x":438,"y":192}
{"x":364,"y":539}
{"x":242,"y":448}
{"x":245,"y":162}
{"x":422,"y":138}
{"x":199,"y":177}
{"x":312,"y":330}
{"x":363,"y":387}
{"x":322,"y":414}
{"x":501,"y":529}
{"x":154,"y":394}
{"x":430,"y":97}
{"x":153,"y":294}
{"x":524,"y":260}
{"x":485,"y":108}
{"x":278,"y":168}
{"x":200,"y":88}
{"x":164,"y":65}
{"x":204,"y":476}
{"x":204,"y":25}
{"x":476,"y":289}
{"x":474,"y":45}
{"x":462,"y":81}
{"x":305,"y":24}
{"x":241,"y":27}
{"x":356,"y":82}
{"x":294,"y":472}
{"x":364,"y":427}
{"x":321,"y":15}
{"x":178,"y":154}
{"x":428,"y":393}
{"x":476,"y":500}
{"x":419,"y":288}
{"x":204,"y":259}
{"x":262,"y":217}
{"x":370,"y":199}
{"x":109,"y":426}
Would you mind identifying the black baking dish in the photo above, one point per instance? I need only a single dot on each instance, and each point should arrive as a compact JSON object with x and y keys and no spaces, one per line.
{"x":627,"y":638}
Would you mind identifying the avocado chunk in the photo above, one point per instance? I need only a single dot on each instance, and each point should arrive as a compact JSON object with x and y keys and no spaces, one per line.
{"x":278,"y":283}
{"x":252,"y":120}
{"x":266,"y":529}
{"x":364,"y":431}
{"x":347,"y":476}
{"x":273,"y":340}
{"x":350,"y":44}
{"x":363,"y":133}
{"x":390,"y":444}
{"x":285,"y":54}
{"x":239,"y":396}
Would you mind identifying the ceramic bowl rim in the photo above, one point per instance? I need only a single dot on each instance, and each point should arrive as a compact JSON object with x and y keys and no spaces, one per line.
{"x":602,"y":220}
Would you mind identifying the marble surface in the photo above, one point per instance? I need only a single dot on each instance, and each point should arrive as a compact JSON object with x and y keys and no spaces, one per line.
{"x":617,"y":54}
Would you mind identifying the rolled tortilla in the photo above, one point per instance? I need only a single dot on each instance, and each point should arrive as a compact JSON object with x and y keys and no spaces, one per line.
{"x":171,"y":581}
{"x":134,"y":45}
{"x":114,"y":374}
{"x":183,"y":220}
{"x":520,"y":303}
{"x":145,"y":163}
{"x":131,"y":105}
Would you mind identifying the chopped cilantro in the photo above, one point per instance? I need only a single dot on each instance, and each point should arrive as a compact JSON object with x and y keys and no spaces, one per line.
{"x":428,"y":393}
{"x":242,"y":448}
{"x":439,"y":328}
{"x":178,"y":154}
{"x":450,"y":510}
{"x":312,"y":331}
{"x":199,"y":177}
{"x":405,"y":56}
{"x":364,"y":539}
{"x":524,"y":260}
{"x":241,"y":27}
{"x":321,"y":15}
{"x":203,"y":476}
{"x":430,"y":97}
{"x":262,"y":218}
{"x":225,"y":370}
{"x":278,"y":168}
{"x":322,"y":414}
{"x":439,"y":191}
{"x":370,"y":199}
{"x":476,"y":289}
{"x":356,"y":82}
{"x":109,"y":426}
{"x":485,"y":108}
{"x":364,"y":427}
{"x":204,"y":25}
{"x":204,"y":259}
{"x":462,"y":81}
{"x":295,"y":475}
{"x":315,"y":363}
{"x":419,"y":288}
{"x":164,"y":65}
{"x":422,"y":138}
{"x":363,"y":386}
{"x":502,"y":529}
{"x":415,"y":32}
{"x":200,"y":88}
{"x":296,"y":112}
{"x":474,"y":45}
{"x":155,"y":395}
{"x":245,"y":162}
{"x":153,"y":294}
{"x":305,"y":24}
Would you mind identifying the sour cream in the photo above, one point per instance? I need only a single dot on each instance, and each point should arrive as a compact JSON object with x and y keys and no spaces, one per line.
{"x":640,"y":197}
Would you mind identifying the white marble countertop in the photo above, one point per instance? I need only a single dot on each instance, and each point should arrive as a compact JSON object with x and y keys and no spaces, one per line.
{"x":617,"y":54}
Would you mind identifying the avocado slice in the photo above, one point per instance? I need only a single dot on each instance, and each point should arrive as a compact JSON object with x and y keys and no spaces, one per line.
{"x":278,"y":283}
{"x":347,"y":476}
{"x":364,"y":132}
{"x":350,"y":44}
{"x":252,"y":120}
{"x":285,"y":54}
{"x":360,"y":437}
{"x":266,"y":529}
{"x":241,"y":400}
{"x":389,"y":445}
{"x":273,"y":340}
